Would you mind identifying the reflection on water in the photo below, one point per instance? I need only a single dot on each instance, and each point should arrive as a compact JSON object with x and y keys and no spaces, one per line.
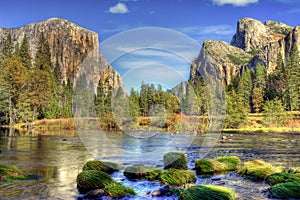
{"x":59,"y":157}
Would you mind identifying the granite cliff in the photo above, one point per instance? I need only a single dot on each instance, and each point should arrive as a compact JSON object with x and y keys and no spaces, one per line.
{"x":71,"y":47}
{"x":254,"y":42}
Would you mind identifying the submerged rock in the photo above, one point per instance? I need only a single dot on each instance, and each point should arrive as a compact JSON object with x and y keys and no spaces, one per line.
{"x":163,"y":191}
{"x":94,"y":194}
{"x":208,"y":192}
{"x":106,"y":167}
{"x":91,"y":180}
{"x":220,"y":164}
{"x":11,"y":173}
{"x":176,"y":160}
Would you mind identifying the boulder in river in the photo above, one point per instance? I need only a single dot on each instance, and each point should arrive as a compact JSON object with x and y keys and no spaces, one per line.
{"x":288,"y":190}
{"x":11,"y":173}
{"x":140,"y":172}
{"x":258,"y":169}
{"x":117,"y":190}
{"x":177,"y":177}
{"x":220,"y":164}
{"x":175,"y":160}
{"x":165,"y":190}
{"x":107,"y":167}
{"x":208,"y":192}
{"x":91,"y":180}
{"x":282,"y":177}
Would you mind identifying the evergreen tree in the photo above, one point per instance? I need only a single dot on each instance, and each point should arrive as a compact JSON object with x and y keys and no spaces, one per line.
{"x":245,"y":87}
{"x":134,"y":107}
{"x":8,"y":48}
{"x":43,"y":55}
{"x":25,"y":53}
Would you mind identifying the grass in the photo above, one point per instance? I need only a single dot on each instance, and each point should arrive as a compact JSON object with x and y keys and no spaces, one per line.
{"x":220,"y":164}
{"x":177,"y":177}
{"x":208,"y":192}
{"x":92,"y":179}
{"x":258,"y":169}
{"x":106,"y":167}
{"x":117,"y":190}
{"x":176,"y":160}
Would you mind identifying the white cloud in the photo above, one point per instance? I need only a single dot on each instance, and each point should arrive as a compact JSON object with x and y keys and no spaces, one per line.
{"x":130,"y":0}
{"x":119,"y":8}
{"x":235,"y":2}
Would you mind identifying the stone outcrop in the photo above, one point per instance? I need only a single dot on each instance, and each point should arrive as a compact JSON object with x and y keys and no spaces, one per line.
{"x":219,"y":59}
{"x":71,"y":47}
{"x":254,"y":42}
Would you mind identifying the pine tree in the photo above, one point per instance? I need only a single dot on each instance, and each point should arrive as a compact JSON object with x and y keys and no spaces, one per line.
{"x":134,"y":107}
{"x":43,"y":56}
{"x":25,"y":53}
{"x":245,"y":87}
{"x":8,"y":48}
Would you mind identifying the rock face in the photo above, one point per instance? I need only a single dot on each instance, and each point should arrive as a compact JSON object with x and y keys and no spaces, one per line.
{"x":70,"y":46}
{"x":254,"y":42}
{"x":220,"y":59}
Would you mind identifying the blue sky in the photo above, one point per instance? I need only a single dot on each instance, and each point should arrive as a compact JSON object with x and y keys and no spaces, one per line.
{"x":198,"y":19}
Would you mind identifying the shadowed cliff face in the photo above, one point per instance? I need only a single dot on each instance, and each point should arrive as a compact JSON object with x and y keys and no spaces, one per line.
{"x":254,"y":42}
{"x":70,"y":47}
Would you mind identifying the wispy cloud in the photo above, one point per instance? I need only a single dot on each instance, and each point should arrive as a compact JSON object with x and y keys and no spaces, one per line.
{"x":119,"y":8}
{"x":288,"y":1}
{"x":130,"y":0}
{"x":234,"y":2}
{"x":294,"y":11}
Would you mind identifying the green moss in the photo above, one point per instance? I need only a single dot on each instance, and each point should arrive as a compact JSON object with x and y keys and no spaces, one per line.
{"x":208,"y":192}
{"x":177,"y":177}
{"x":176,"y":160}
{"x":239,"y":59}
{"x":12,"y":173}
{"x":117,"y":190}
{"x":220,"y":164}
{"x":153,"y":174}
{"x":140,"y":172}
{"x":106,"y":167}
{"x":92,"y":179}
{"x":283,"y":177}
{"x":258,"y":169}
{"x":285,"y":190}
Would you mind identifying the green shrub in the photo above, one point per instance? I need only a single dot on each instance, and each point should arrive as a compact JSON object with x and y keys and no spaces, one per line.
{"x":175,"y":160}
{"x":140,"y":172}
{"x":208,"y":192}
{"x":177,"y":177}
{"x":220,"y":164}
{"x":258,"y":169}
{"x":283,"y":177}
{"x":91,"y":180}
{"x":106,"y":167}
{"x":285,"y":190}
{"x":115,"y":190}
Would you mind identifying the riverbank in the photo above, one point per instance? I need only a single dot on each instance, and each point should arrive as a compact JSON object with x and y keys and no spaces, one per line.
{"x":174,"y":123}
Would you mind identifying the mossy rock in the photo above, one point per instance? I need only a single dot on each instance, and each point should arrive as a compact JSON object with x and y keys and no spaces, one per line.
{"x":91,"y":180}
{"x":117,"y":190}
{"x":106,"y":167}
{"x":177,"y":177}
{"x":12,"y":173}
{"x":153,"y":174}
{"x":285,"y":190}
{"x":208,"y":192}
{"x":140,"y":172}
{"x":175,"y":160}
{"x":258,"y":169}
{"x":220,"y":164}
{"x":283,"y":177}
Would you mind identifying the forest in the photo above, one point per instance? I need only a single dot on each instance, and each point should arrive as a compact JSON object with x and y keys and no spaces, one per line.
{"x":32,"y":89}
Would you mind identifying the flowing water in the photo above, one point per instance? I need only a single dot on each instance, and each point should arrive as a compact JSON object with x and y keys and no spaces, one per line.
{"x":59,"y":157}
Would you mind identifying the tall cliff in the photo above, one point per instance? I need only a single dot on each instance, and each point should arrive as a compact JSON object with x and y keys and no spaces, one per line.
{"x":70,"y":47}
{"x":254,"y":42}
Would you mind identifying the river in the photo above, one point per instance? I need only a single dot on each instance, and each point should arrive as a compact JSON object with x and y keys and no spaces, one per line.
{"x":59,"y":156}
